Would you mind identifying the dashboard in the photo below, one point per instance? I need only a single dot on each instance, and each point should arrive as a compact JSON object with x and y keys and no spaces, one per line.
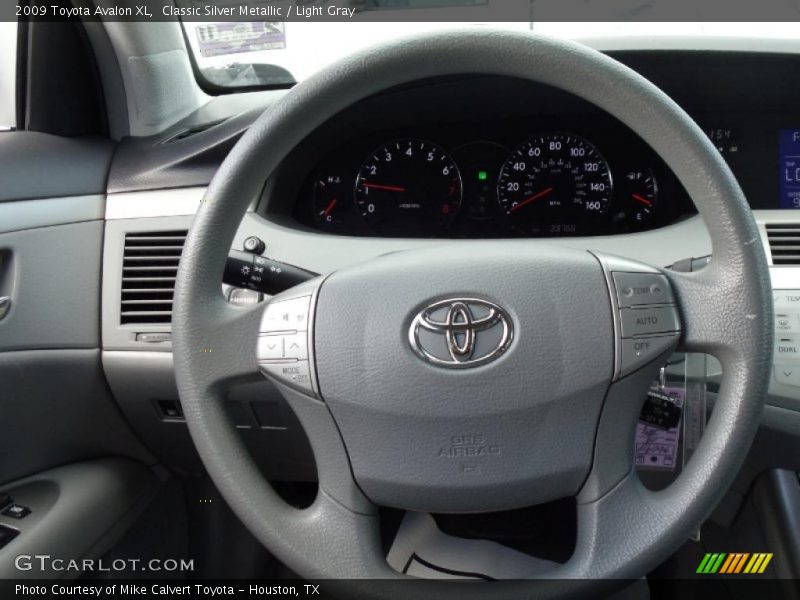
{"x":493,"y":178}
{"x":490,"y":157}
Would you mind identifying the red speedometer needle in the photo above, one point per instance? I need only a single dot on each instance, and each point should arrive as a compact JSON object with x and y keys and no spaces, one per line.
{"x":642,"y":200}
{"x":329,"y":208}
{"x":533,"y":198}
{"x":387,"y":188}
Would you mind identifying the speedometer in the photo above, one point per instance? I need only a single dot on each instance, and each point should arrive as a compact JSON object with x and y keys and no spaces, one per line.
{"x":408,"y":188}
{"x":553,"y":182}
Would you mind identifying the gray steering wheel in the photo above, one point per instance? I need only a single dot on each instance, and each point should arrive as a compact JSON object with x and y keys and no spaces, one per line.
{"x":551,"y":415}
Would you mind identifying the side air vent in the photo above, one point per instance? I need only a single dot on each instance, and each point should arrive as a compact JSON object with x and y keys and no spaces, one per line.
{"x":784,"y":243}
{"x":149,"y":267}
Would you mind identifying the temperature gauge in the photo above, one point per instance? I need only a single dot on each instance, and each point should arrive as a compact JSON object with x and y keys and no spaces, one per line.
{"x":331,"y":197}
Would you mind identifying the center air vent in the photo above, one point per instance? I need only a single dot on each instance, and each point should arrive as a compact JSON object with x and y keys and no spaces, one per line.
{"x":149,"y":267}
{"x":784,"y":243}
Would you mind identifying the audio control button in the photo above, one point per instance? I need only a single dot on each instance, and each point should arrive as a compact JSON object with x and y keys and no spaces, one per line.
{"x":296,"y":374}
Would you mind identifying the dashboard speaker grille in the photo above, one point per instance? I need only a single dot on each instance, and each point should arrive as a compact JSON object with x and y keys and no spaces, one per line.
{"x":149,"y":268}
{"x":784,"y":243}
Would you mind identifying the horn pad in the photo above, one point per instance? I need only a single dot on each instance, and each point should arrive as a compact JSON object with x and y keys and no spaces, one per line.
{"x":469,"y":377}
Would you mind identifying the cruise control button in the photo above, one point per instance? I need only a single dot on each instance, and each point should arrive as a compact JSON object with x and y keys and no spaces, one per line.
{"x":634,"y":289}
{"x":296,"y":374}
{"x":647,"y":321}
{"x":635,"y":353}
{"x":286,"y":315}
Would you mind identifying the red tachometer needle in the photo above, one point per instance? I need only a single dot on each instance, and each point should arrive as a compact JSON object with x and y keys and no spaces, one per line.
{"x":329,"y":208}
{"x":387,"y":188}
{"x":533,"y":198}
{"x":642,"y":200}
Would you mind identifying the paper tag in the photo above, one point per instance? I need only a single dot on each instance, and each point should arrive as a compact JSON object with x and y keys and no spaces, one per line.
{"x":657,"y":447}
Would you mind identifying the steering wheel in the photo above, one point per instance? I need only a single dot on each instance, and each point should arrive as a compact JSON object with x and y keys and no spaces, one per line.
{"x":482,"y":375}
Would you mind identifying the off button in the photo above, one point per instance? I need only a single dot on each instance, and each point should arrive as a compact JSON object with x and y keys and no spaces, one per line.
{"x":636,"y":353}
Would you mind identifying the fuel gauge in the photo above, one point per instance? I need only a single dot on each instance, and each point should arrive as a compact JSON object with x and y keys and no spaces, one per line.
{"x":638,"y":195}
{"x":331,"y":197}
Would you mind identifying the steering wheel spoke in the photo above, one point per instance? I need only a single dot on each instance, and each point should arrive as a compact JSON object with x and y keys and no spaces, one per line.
{"x":223,"y":345}
{"x":718,"y":318}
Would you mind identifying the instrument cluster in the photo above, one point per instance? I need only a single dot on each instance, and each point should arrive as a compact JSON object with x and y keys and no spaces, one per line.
{"x":551,"y":183}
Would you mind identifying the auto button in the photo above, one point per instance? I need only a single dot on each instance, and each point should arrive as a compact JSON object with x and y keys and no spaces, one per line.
{"x":637,"y":322}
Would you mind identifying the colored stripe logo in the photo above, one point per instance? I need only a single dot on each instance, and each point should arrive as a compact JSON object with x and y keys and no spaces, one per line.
{"x":734,"y":563}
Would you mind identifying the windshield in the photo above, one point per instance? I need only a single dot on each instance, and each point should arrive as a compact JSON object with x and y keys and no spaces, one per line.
{"x":243,"y":54}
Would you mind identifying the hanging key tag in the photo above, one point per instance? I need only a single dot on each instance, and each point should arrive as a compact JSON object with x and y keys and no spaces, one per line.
{"x":660,"y":410}
{"x":659,"y":429}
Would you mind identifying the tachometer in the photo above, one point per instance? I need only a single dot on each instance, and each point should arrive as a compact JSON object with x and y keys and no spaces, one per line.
{"x":556,"y":179}
{"x":408,"y":188}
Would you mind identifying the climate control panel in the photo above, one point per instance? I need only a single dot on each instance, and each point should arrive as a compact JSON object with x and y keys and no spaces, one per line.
{"x":786,"y":356}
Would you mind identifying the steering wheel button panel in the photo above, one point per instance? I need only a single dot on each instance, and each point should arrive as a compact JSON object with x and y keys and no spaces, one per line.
{"x":647,"y":321}
{"x":283,"y":348}
{"x":637,"y":289}
{"x":286,"y":315}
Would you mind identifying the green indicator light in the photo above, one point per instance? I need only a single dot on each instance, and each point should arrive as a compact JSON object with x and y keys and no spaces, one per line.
{"x":483,"y":175}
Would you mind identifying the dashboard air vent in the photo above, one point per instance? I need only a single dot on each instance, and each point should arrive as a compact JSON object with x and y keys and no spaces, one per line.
{"x":784,"y":243}
{"x":149,"y":267}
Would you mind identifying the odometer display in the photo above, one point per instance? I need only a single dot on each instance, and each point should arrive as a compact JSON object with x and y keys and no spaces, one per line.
{"x":408,"y":188}
{"x":553,"y":183}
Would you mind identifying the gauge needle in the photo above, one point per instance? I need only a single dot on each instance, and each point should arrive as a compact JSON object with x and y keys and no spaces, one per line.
{"x":388,"y":188}
{"x":329,"y":208}
{"x":642,"y":200}
{"x":533,"y":198}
